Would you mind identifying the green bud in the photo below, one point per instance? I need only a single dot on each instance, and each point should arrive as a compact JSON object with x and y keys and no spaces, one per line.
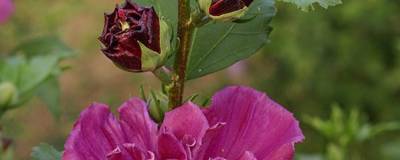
{"x":8,"y":94}
{"x":158,"y":105}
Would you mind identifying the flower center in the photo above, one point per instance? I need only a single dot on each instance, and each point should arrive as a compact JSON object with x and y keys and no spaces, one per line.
{"x":123,"y":20}
{"x":124,"y":25}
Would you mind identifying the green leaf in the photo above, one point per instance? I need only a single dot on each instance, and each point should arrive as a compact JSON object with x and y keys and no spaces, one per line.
{"x":45,"y":152}
{"x":34,"y":62}
{"x":353,"y":122}
{"x":37,"y":70}
{"x":11,"y":68}
{"x":382,"y":128}
{"x":337,"y":119}
{"x":167,"y":9}
{"x":49,"y":93}
{"x":369,"y":131}
{"x":27,"y":74}
{"x":48,"y":45}
{"x":306,"y":5}
{"x":221,"y":44}
{"x":335,"y":152}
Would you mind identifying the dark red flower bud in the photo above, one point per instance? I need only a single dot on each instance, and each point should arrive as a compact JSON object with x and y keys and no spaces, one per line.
{"x":132,"y":38}
{"x":225,"y":9}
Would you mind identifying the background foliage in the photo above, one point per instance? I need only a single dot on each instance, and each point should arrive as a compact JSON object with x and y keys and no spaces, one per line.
{"x":348,"y":55}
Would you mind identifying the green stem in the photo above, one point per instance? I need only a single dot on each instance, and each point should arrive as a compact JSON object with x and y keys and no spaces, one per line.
{"x":163,"y":75}
{"x":185,"y":31}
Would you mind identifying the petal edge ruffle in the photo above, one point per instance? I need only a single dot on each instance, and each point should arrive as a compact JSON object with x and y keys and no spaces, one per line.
{"x":186,"y":120}
{"x":254,"y":123}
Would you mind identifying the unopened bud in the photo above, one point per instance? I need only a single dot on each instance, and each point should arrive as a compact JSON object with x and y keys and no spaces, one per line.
{"x":135,"y":38}
{"x":8,"y":94}
{"x":225,"y":10}
{"x":158,"y":102}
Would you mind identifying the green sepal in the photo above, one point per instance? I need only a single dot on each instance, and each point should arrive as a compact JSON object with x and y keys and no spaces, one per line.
{"x":151,"y":60}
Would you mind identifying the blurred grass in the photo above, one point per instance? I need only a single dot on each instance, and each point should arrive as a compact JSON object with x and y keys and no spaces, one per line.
{"x":348,"y":55}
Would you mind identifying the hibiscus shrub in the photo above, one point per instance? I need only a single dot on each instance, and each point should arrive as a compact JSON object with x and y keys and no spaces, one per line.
{"x":176,"y":40}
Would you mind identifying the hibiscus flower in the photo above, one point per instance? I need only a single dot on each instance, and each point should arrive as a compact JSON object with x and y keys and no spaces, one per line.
{"x":6,"y":9}
{"x":241,"y":123}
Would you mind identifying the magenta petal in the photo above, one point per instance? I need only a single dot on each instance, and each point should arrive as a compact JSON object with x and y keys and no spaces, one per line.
{"x":284,"y":152}
{"x":187,"y":120}
{"x":137,"y":125}
{"x":254,"y":123}
{"x":247,"y":156}
{"x":169,"y":147}
{"x":129,"y":151}
{"x":94,"y":135}
{"x":6,"y":9}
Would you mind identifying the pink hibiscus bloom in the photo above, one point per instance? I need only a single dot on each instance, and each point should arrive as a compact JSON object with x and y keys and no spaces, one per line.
{"x":6,"y":9}
{"x":241,"y":123}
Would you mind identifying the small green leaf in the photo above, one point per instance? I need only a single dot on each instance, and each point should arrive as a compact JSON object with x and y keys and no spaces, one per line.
{"x":337,"y":119}
{"x":192,"y":98}
{"x":306,"y":5}
{"x":353,"y":122}
{"x":38,"y":69}
{"x":385,"y":127}
{"x":11,"y":68}
{"x":49,"y":93}
{"x":45,"y":152}
{"x":206,"y":102}
{"x":335,"y":152}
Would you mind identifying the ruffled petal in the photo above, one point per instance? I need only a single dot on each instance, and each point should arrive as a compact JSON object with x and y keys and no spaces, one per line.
{"x":94,"y":135}
{"x":137,"y":125}
{"x":169,"y":147}
{"x":186,"y":121}
{"x":254,"y":123}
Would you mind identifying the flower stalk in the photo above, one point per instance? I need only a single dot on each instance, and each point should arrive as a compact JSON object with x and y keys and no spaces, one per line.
{"x":185,"y":32}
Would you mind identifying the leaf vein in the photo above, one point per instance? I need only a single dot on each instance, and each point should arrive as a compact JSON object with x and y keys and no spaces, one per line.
{"x":213,"y":47}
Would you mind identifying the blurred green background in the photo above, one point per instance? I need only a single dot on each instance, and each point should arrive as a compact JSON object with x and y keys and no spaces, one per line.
{"x":348,"y":55}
